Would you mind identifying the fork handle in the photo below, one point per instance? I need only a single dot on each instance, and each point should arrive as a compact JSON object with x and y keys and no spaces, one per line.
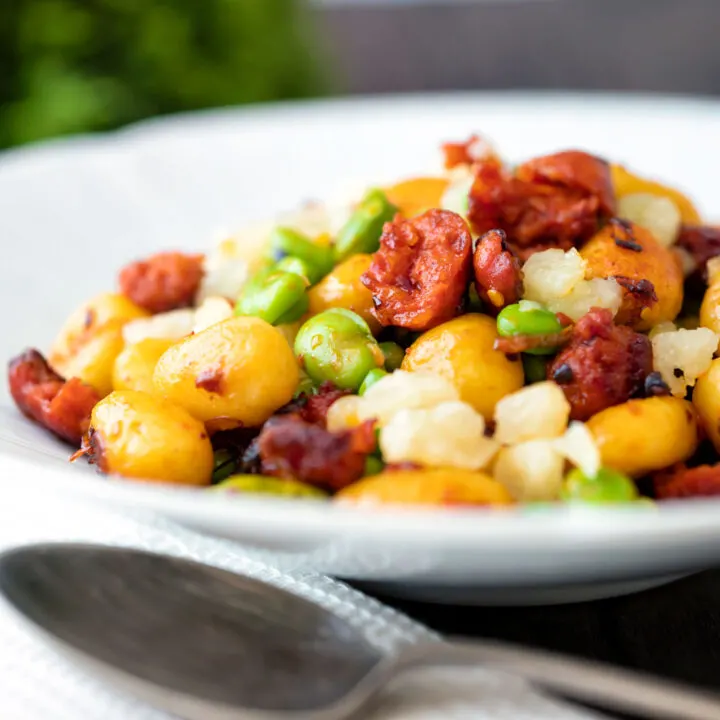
{"x":600,"y":685}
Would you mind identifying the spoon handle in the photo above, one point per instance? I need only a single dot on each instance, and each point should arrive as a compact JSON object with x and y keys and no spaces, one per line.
{"x":582,"y":680}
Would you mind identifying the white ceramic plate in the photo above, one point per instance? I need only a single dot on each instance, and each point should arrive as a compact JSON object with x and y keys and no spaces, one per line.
{"x":72,"y":212}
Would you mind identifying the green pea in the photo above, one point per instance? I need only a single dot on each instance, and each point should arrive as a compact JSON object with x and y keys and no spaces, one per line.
{"x":296,"y":265}
{"x":275,"y":296}
{"x":528,"y":318}
{"x":288,"y":242}
{"x":337,"y":345}
{"x":268,"y":486}
{"x":608,"y":486}
{"x":299,"y":309}
{"x":225,"y":465}
{"x":394,"y":355}
{"x":535,"y":368}
{"x":370,"y":379}
{"x":373,"y":465}
{"x":361,"y":233}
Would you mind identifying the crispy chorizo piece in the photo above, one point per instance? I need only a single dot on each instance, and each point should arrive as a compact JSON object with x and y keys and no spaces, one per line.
{"x":290,"y":447}
{"x":316,"y":406}
{"x":573,"y":169}
{"x":42,"y":395}
{"x":702,"y":242}
{"x":552,"y":201}
{"x":682,"y":482}
{"x":419,"y":275}
{"x":603,"y":365}
{"x":468,"y":152}
{"x":313,"y":408}
{"x":498,"y":279}
{"x":162,"y":282}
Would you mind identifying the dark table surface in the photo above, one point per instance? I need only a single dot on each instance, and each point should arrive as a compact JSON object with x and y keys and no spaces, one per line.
{"x":671,"y":631}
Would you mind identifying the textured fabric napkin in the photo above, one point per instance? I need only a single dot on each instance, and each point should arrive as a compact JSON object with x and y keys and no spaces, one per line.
{"x":37,"y":683}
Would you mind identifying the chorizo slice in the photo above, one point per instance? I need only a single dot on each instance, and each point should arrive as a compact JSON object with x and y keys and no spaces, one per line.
{"x":702,"y":242}
{"x":683,"y":482}
{"x":62,"y":407}
{"x":603,"y":365}
{"x":162,"y":282}
{"x":419,"y":276}
{"x":290,"y":447}
{"x":498,"y":278}
{"x":573,"y":169}
{"x":553,"y":201}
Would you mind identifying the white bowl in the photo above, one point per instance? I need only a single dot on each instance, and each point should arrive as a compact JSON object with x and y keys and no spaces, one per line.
{"x":72,"y":212}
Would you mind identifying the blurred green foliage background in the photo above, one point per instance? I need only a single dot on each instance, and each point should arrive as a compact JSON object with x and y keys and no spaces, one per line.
{"x":69,"y":66}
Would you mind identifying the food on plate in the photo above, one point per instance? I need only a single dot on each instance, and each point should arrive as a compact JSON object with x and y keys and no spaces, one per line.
{"x":139,"y":435}
{"x":62,"y":407}
{"x":649,"y":274}
{"x":436,"y":486}
{"x":488,"y":335}
{"x":463,"y":351}
{"x":419,"y":275}
{"x":239,"y":371}
{"x":91,"y":339}
{"x":135,"y":365}
{"x":646,"y":434}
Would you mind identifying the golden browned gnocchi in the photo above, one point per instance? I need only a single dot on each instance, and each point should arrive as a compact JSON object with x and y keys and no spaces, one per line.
{"x":141,"y":436}
{"x":91,"y":339}
{"x":627,"y":183}
{"x":710,"y":307}
{"x":240,"y":369}
{"x":633,"y":253}
{"x":640,"y":436}
{"x":439,"y":486}
{"x":462,"y":351}
{"x":135,"y":365}
{"x":706,"y":399}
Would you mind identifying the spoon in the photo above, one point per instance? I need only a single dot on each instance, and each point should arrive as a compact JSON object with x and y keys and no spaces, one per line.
{"x":207,"y":644}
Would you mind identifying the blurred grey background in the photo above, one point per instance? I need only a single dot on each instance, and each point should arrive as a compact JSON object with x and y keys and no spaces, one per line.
{"x":412,"y":45}
{"x":72,"y":66}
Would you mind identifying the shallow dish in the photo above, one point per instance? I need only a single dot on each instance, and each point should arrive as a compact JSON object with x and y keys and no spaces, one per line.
{"x":72,"y":212}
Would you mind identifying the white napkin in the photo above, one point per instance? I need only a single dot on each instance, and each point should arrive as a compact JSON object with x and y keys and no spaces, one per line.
{"x":37,"y":683}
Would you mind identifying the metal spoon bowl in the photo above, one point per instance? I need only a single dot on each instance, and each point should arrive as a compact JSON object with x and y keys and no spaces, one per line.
{"x":207,"y":644}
